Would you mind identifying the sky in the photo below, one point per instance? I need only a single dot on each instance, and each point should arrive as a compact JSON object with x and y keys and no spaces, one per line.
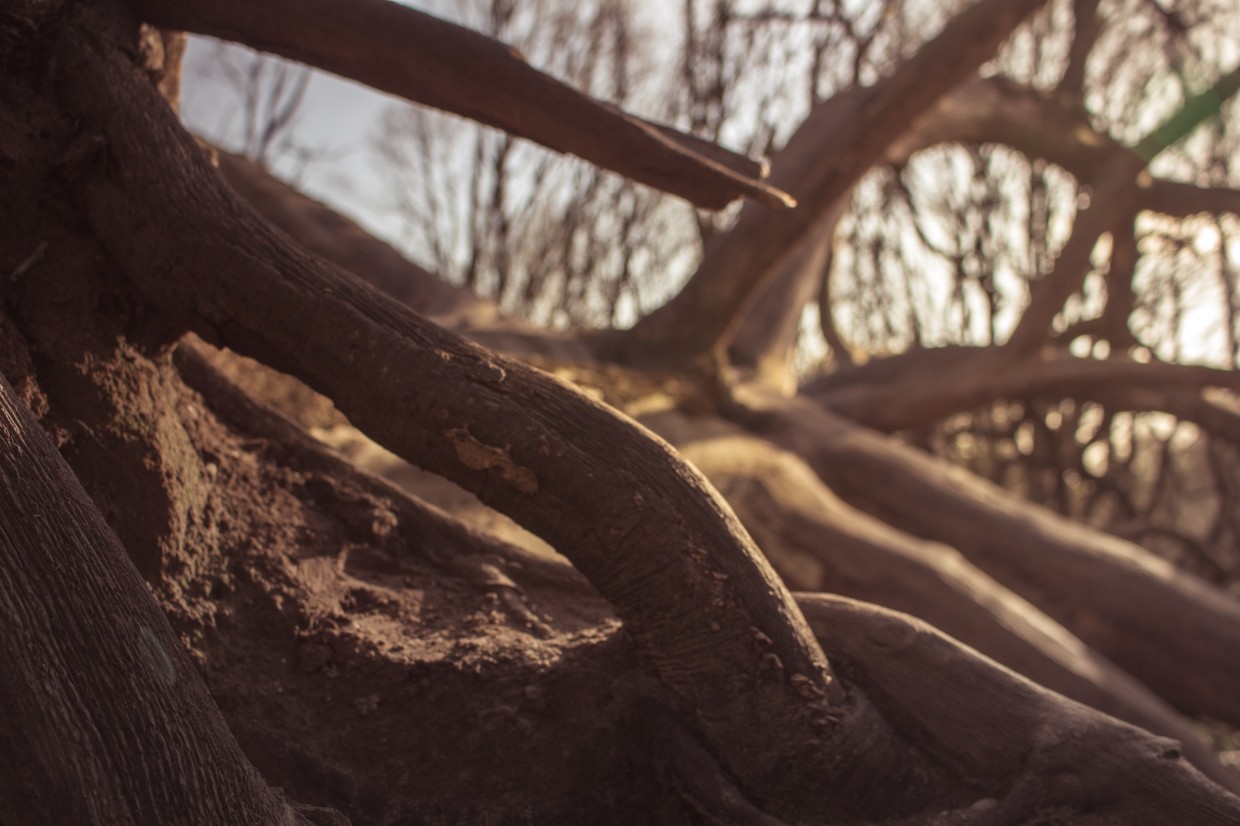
{"x":338,"y":116}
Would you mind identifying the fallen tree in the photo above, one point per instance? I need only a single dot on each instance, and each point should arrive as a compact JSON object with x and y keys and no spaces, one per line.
{"x":378,"y":660}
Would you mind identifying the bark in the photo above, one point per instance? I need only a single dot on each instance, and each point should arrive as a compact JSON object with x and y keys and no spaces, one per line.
{"x":1071,"y":767}
{"x":704,"y":314}
{"x":115,"y":414}
{"x":901,"y":367}
{"x":820,"y":544}
{"x":1041,"y":125}
{"x":766,"y":341}
{"x":931,"y":364}
{"x":436,"y":674}
{"x":984,"y":110}
{"x":1113,"y":188}
{"x":1180,"y":199}
{"x":955,"y":610}
{"x":1112,"y":191}
{"x":932,"y":395}
{"x":684,"y":761}
{"x":939,"y":383}
{"x":149,"y":748}
{"x":768,"y":331}
{"x":1171,"y":631}
{"x":999,"y":110}
{"x":1087,"y":25}
{"x":419,"y":57}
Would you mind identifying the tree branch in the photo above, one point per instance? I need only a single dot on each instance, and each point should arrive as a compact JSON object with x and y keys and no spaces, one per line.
{"x":1000,"y":110}
{"x":1181,"y":200}
{"x":1113,"y":189}
{"x":408,"y":53}
{"x":819,"y":543}
{"x":844,"y":138}
{"x":766,"y":340}
{"x":330,"y":235}
{"x":1086,"y":26}
{"x":1040,"y":125}
{"x":1170,"y":630}
{"x":982,"y":110}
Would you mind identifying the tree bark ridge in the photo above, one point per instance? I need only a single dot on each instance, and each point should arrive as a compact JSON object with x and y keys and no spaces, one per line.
{"x":818,"y":543}
{"x":75,"y":614}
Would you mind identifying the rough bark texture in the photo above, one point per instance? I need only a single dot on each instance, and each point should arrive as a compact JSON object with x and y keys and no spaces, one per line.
{"x":76,"y":614}
{"x":976,"y":714}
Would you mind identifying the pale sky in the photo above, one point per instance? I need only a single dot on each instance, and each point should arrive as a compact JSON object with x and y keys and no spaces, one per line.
{"x":338,"y":115}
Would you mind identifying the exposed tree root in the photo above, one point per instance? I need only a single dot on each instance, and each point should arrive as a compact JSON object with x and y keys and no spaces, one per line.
{"x":1171,"y":631}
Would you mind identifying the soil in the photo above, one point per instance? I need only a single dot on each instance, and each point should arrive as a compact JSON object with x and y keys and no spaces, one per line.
{"x":374,"y":655}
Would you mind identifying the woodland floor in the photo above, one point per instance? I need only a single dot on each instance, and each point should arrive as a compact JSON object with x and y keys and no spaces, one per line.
{"x":396,"y":666}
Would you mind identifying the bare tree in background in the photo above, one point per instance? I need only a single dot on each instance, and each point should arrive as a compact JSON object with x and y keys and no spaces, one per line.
{"x":1158,"y":282}
{"x":550,"y":237}
{"x":265,"y":98}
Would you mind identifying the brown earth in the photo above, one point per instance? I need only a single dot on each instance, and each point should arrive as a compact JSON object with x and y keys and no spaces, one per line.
{"x":411,"y":626}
